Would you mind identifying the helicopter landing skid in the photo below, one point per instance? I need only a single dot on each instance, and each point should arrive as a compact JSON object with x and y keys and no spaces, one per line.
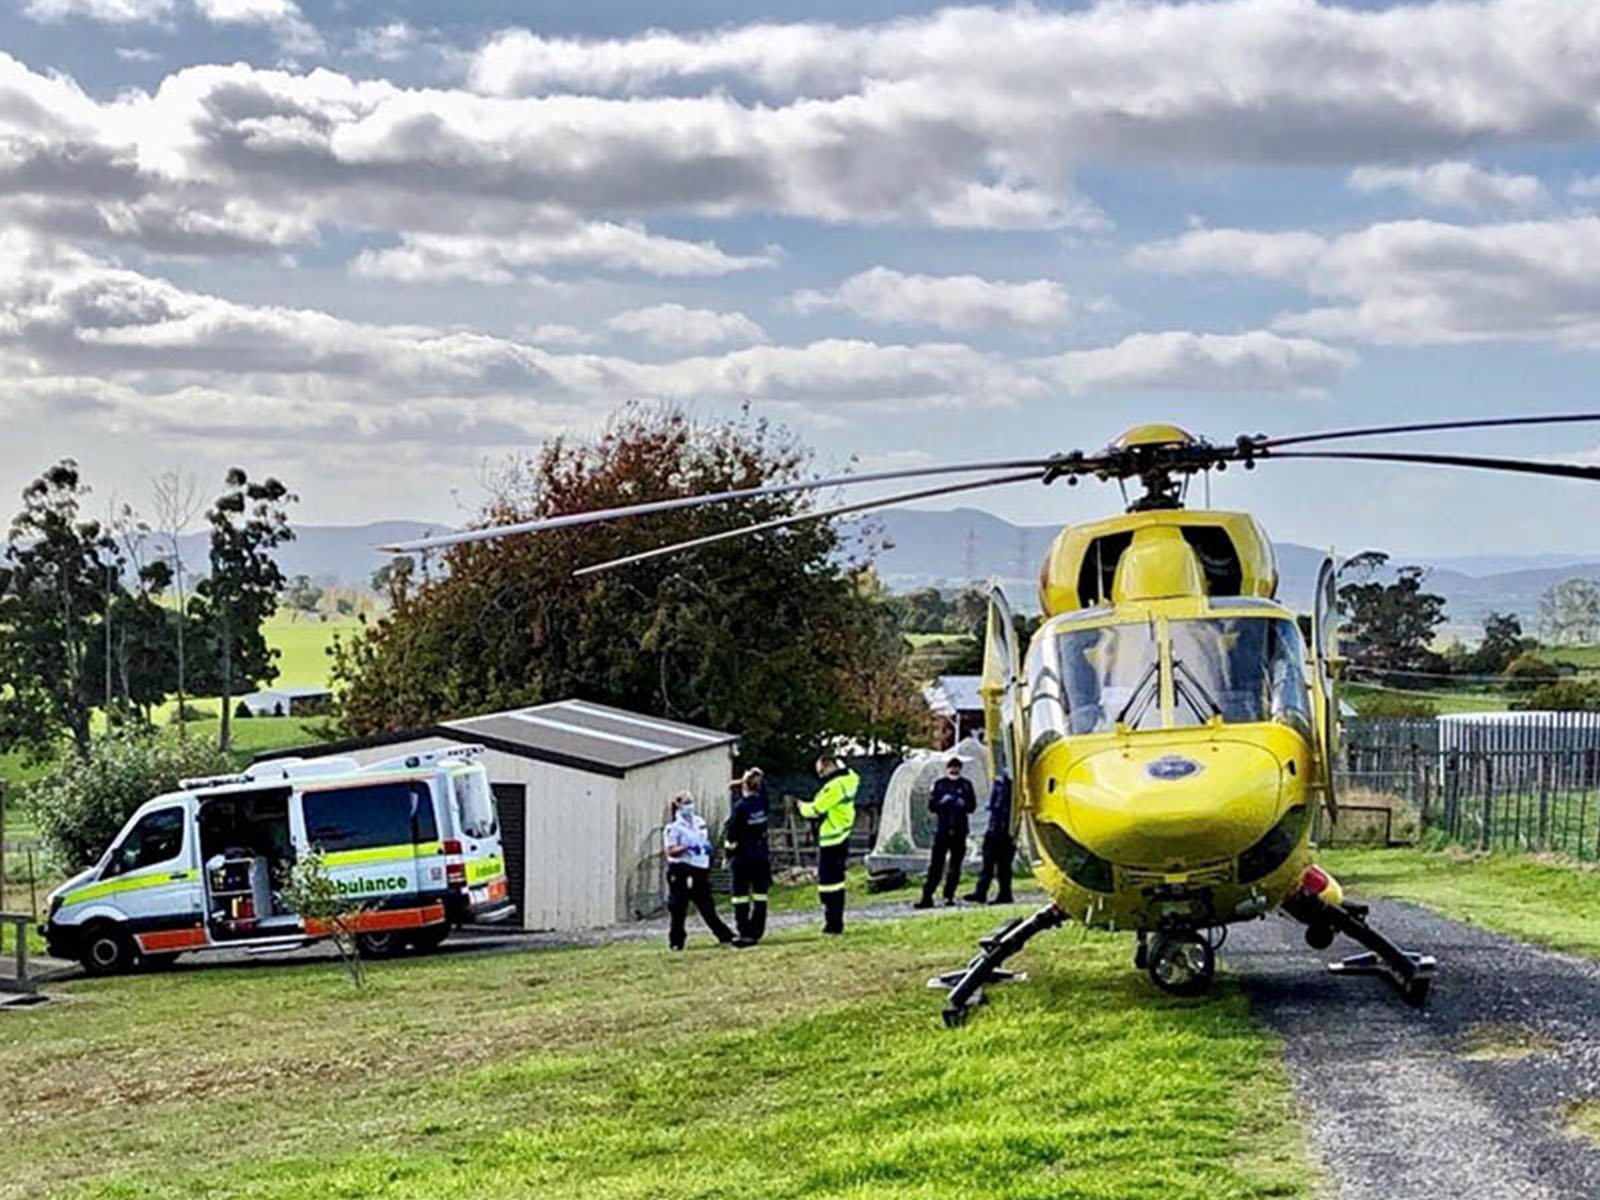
{"x":1409,"y":972}
{"x":966,"y":984}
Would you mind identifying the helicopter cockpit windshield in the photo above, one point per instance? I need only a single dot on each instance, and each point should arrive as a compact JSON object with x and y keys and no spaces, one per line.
{"x":1085,"y":676}
{"x":1243,"y":669}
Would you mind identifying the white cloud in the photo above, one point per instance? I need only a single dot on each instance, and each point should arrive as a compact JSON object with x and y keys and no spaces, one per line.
{"x":1586,"y":188}
{"x":138,"y":54}
{"x":1254,"y":361}
{"x":601,"y":245}
{"x":109,"y":12}
{"x":1280,"y":80}
{"x":678,"y":327}
{"x":955,"y":303}
{"x":1287,"y":257}
{"x":387,"y":43}
{"x":556,"y":333}
{"x":141,"y":355}
{"x":1421,"y":282}
{"x":1455,"y":184}
{"x":282,"y":16}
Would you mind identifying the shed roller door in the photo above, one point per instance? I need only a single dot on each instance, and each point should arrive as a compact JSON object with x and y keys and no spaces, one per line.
{"x":511,"y":803}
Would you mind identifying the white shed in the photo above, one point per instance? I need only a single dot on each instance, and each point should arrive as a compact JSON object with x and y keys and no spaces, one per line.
{"x":582,"y":792}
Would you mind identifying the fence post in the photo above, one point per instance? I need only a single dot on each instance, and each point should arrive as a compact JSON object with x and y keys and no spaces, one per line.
{"x":1486,"y":834}
{"x":1542,"y":833}
{"x":1452,"y":795}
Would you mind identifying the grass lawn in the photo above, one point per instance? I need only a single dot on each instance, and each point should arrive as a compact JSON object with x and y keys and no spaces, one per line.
{"x":1444,"y":701}
{"x":1546,"y":901}
{"x":806,"y":1068}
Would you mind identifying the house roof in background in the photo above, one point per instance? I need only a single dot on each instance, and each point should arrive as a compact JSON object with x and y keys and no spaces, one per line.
{"x":950,"y":694}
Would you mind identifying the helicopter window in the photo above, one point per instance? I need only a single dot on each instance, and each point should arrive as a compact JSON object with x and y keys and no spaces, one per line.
{"x":1108,"y":674}
{"x":1218,"y":557}
{"x":1243,"y":669}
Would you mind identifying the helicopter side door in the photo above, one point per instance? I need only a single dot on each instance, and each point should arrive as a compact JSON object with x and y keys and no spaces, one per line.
{"x":1325,"y":692}
{"x":1001,"y":689}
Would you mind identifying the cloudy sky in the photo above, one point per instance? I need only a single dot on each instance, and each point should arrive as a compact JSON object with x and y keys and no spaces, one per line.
{"x":372,"y":248}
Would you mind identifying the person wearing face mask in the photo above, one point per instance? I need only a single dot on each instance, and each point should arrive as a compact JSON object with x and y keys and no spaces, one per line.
{"x":687,"y":845}
{"x":952,"y":801}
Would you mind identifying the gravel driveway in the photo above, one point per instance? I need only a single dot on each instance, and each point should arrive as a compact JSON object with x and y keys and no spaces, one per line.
{"x":1467,"y":1098}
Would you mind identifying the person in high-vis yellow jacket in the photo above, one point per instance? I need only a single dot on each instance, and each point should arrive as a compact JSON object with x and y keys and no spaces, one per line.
{"x":834,"y":807}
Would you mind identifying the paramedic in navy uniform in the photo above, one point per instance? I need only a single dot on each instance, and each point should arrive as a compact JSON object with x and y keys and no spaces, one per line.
{"x":687,"y":845}
{"x":744,"y":838}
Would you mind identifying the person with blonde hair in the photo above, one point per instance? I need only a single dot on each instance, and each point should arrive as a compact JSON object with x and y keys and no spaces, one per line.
{"x":687,"y":846}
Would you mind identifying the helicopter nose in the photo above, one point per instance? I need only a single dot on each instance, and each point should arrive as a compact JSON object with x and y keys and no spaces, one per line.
{"x":1161,"y":809}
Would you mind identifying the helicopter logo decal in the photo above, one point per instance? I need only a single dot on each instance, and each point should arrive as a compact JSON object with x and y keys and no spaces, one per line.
{"x":1172,"y":766}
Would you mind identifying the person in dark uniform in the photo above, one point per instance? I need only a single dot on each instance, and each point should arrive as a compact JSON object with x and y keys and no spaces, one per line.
{"x":744,"y":837}
{"x":998,"y":847}
{"x":687,"y":846}
{"x":953,"y":800}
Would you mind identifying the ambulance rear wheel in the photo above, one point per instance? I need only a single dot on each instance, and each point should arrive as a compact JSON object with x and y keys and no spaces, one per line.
{"x":107,"y":950}
{"x":429,"y":939}
{"x":378,"y":945}
{"x":1181,"y":963}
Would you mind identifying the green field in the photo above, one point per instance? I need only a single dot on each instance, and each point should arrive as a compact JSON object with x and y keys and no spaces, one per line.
{"x":1550,"y":902}
{"x":805,"y":1068}
{"x":1443,"y":700}
{"x":302,"y":644}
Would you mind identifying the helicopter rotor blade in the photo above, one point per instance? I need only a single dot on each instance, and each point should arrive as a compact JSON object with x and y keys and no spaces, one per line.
{"x":1517,"y":465}
{"x":800,"y":518}
{"x":594,"y":516}
{"x":1425,"y":427}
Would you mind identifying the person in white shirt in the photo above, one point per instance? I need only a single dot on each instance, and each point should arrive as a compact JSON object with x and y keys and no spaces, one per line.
{"x":687,"y":844}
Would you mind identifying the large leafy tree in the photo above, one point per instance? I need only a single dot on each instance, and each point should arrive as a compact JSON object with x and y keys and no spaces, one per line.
{"x":248,"y":521}
{"x":773,"y":636}
{"x":1390,"y":625}
{"x":1569,"y":612}
{"x":58,"y":572}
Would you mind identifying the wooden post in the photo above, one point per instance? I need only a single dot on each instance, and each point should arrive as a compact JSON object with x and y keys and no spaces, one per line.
{"x":1542,"y":834}
{"x":1486,"y":834}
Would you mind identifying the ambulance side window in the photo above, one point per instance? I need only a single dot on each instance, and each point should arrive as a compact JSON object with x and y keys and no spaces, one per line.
{"x":474,"y":804}
{"x":157,"y":838}
{"x":359,"y":818}
{"x":424,"y":821}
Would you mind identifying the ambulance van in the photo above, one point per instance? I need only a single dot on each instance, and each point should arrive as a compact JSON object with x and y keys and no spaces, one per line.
{"x":413,"y":842}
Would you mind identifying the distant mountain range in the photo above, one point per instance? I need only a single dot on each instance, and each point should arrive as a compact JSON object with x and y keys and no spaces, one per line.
{"x":332,"y":555}
{"x":948,"y":549}
{"x":951,"y":548}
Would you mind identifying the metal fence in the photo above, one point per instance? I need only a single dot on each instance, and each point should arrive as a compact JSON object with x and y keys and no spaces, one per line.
{"x":1504,"y":785}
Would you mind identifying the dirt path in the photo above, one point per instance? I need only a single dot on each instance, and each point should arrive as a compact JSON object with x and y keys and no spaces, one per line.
{"x":1469,"y":1098}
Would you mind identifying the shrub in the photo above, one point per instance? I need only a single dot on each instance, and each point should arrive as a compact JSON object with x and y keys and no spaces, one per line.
{"x":83,"y":803}
{"x":193,"y":712}
{"x":1528,"y":671}
{"x":1383,"y":704}
{"x":1566,"y":695}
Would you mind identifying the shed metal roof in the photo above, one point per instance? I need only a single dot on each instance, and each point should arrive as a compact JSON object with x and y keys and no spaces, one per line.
{"x":950,"y":694}
{"x":573,"y":733}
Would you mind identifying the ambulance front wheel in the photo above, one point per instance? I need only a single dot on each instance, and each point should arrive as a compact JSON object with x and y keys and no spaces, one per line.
{"x":378,"y":945}
{"x":107,"y":950}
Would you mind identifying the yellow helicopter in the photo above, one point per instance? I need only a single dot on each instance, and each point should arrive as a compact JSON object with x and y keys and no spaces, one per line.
{"x":1168,"y":731}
